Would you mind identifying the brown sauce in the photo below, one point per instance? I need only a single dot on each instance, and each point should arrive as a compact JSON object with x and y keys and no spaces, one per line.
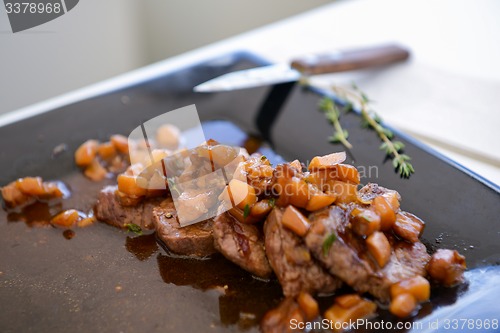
{"x":242,"y":299}
{"x":115,"y":280}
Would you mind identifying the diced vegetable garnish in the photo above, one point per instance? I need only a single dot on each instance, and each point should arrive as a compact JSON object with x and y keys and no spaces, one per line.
{"x":298,"y":192}
{"x":392,"y":198}
{"x":447,"y":267}
{"x":346,"y":173}
{"x":295,"y":221}
{"x":345,"y":192}
{"x":86,"y":153}
{"x":408,"y":226}
{"x":379,"y":248}
{"x":319,"y":200}
{"x":31,"y":186}
{"x":364,"y":221}
{"x":403,"y":305}
{"x":349,"y":308}
{"x":241,"y":194}
{"x":95,"y":171}
{"x":120,"y":142}
{"x":383,"y":209}
{"x":309,"y":305}
{"x":129,"y":185}
{"x":326,"y":161}
{"x":239,"y":214}
{"x":106,"y":150}
{"x":418,"y":286}
{"x":168,"y":136}
{"x":261,"y":208}
{"x":66,"y":219}
{"x":87,"y":221}
{"x":296,"y":165}
{"x":26,"y":189}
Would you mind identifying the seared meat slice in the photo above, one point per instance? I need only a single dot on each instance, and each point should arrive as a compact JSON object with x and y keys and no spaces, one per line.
{"x":349,"y":259}
{"x":241,"y":243}
{"x":192,"y":240}
{"x":292,"y":262}
{"x":109,"y":209}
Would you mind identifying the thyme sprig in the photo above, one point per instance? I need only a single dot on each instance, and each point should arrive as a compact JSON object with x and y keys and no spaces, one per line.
{"x":393,"y":149}
{"x":332,"y":113}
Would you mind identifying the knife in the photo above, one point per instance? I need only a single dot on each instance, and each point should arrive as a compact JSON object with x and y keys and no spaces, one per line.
{"x":333,"y":62}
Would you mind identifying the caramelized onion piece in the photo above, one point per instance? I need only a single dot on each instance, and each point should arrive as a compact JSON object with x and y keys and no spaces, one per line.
{"x":239,"y":194}
{"x":320,"y":200}
{"x":384,"y":209}
{"x":106,"y":150}
{"x":66,"y":219}
{"x":31,"y":186}
{"x":364,"y":221}
{"x":295,"y":221}
{"x":261,"y":208}
{"x":379,"y":247}
{"x":95,"y":171}
{"x":408,"y":226}
{"x":418,"y":286}
{"x":120,"y":142}
{"x":345,"y":192}
{"x":349,"y":308}
{"x":326,"y":161}
{"x":26,"y":189}
{"x":129,"y":185}
{"x":309,"y":305}
{"x":403,"y":305}
{"x":86,"y":153}
{"x":447,"y":267}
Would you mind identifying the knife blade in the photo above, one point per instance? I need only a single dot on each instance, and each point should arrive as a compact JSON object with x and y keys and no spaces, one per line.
{"x":333,"y":62}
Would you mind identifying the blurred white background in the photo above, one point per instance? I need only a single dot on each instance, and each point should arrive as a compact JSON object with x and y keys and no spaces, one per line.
{"x":100,"y":39}
{"x":447,"y":95}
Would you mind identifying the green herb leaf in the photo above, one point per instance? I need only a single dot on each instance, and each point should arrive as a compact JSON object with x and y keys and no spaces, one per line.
{"x":385,"y":147}
{"x":398,"y":145}
{"x":377,"y":118}
{"x":246,"y":211}
{"x":365,"y":123}
{"x":365,"y":98}
{"x":263,"y":158}
{"x":173,"y":187}
{"x":325,"y":104}
{"x":132,"y":227}
{"x":388,"y":133}
{"x":332,"y":113}
{"x":328,"y":242}
{"x":272,"y":202}
{"x":369,"y":119}
{"x":348,"y":107}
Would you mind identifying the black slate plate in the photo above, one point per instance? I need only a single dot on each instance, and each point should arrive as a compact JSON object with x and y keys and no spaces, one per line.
{"x":105,"y":280}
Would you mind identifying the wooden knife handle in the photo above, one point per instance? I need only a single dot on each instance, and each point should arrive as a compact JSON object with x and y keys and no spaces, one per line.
{"x":348,"y":60}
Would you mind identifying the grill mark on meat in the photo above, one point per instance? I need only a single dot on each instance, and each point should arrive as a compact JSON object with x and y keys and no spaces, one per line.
{"x":242,"y":244}
{"x":239,"y":235}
